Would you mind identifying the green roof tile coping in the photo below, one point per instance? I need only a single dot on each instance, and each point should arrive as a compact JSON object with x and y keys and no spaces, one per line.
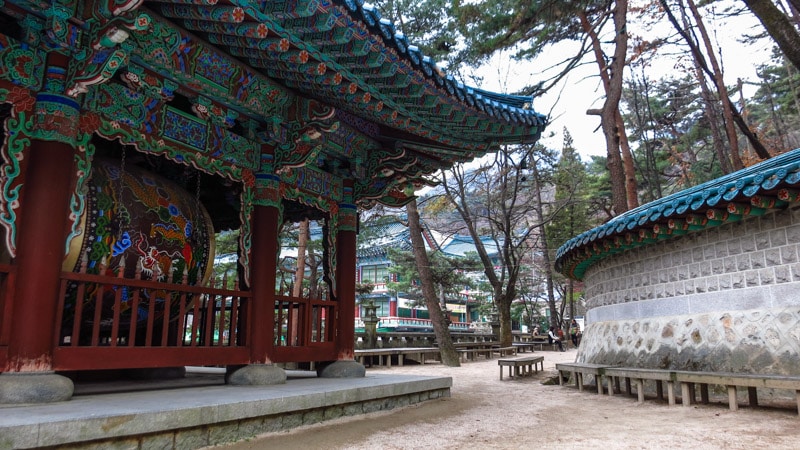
{"x":748,"y":192}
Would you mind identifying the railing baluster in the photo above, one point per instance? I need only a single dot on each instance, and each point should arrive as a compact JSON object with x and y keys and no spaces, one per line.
{"x":117,"y":308}
{"x":98,"y":306}
{"x":208,"y":318}
{"x":151,"y":313}
{"x":233,"y":323}
{"x":196,"y":319}
{"x":79,"y":299}
{"x":181,"y":321}
{"x":134,"y":307}
{"x":223,"y":304}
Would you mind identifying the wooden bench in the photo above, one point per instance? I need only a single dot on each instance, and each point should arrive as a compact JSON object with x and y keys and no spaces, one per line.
{"x":638,"y":376}
{"x":521,"y":366}
{"x":688,"y":380}
{"x":504,"y":351}
{"x":543,"y":343}
{"x":581,"y":369}
{"x":385,"y":354}
{"x":523,"y":347}
{"x":469,"y":354}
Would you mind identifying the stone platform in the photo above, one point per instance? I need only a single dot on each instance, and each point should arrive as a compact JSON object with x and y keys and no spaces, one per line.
{"x":200,"y":410}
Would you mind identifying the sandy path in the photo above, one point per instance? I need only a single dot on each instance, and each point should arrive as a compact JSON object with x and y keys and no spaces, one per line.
{"x":485,"y":413}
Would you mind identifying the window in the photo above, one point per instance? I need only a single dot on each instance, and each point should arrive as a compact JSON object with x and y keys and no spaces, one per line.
{"x":375,"y":274}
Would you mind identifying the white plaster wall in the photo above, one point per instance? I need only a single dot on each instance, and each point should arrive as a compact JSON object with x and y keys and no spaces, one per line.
{"x":723,"y":299}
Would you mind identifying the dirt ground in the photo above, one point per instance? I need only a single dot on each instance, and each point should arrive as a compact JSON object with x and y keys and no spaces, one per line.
{"x":486,"y":413}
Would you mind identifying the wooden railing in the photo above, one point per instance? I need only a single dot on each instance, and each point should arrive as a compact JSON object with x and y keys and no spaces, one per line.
{"x":304,"y":329}
{"x":109,"y":321}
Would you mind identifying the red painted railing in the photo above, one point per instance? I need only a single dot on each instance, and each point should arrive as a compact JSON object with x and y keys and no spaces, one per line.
{"x":304,"y":329}
{"x":108,"y":321}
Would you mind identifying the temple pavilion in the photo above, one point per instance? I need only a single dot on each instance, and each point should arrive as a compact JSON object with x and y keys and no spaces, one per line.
{"x":135,"y":130}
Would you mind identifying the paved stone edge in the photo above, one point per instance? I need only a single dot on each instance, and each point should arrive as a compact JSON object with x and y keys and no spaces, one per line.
{"x":283,"y":411}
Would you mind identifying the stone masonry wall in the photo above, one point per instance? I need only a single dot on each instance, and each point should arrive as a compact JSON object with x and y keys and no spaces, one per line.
{"x":727,"y":298}
{"x":218,"y":434}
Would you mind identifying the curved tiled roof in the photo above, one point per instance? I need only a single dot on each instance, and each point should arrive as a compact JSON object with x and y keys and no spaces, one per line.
{"x":344,"y":52}
{"x":751,"y":191}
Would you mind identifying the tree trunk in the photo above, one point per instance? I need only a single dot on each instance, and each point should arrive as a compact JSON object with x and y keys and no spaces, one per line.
{"x":504,"y":309}
{"x":620,"y":166}
{"x":722,"y":90}
{"x":300,"y":269}
{"x":545,"y":250}
{"x":779,"y":27}
{"x":713,"y":119}
{"x":440,"y":323}
{"x":758,"y":147}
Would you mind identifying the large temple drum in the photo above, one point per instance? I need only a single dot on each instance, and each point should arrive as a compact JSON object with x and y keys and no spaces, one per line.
{"x":158,"y":229}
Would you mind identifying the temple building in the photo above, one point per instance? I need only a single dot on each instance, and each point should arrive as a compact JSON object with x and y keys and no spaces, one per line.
{"x":134,"y":131}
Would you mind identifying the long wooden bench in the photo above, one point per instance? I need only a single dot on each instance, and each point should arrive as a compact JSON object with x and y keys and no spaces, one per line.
{"x":614,"y":374}
{"x":731,"y":380}
{"x":521,"y":366}
{"x":385,"y":354}
{"x":581,"y":369}
{"x":688,"y":381}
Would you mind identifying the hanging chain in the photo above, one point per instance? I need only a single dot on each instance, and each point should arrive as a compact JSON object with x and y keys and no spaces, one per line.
{"x":197,"y":201}
{"x":120,"y":222}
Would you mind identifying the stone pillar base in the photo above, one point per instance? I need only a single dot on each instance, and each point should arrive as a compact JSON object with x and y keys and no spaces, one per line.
{"x":34,"y":387}
{"x":343,"y":369}
{"x":255,"y":375}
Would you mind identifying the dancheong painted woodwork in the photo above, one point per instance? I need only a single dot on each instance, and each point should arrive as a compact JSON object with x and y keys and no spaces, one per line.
{"x":141,"y":128}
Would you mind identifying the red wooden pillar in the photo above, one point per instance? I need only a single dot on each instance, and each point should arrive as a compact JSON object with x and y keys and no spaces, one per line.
{"x":346,"y":293}
{"x":40,"y":252}
{"x":263,"y":265}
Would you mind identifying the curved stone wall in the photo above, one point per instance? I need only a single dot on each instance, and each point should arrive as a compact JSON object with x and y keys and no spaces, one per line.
{"x":725,"y":298}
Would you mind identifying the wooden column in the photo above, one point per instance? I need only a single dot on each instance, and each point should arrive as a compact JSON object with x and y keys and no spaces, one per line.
{"x":40,"y":252}
{"x":263,"y":265}
{"x":346,"y":283}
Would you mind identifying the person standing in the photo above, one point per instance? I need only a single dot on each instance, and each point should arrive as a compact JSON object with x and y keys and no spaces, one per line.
{"x":574,"y":332}
{"x":551,"y":334}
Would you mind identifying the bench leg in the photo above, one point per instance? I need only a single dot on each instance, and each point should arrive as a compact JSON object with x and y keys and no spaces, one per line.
{"x":561,"y":383}
{"x":501,"y":373}
{"x":732,"y":403}
{"x":579,"y":381}
{"x":671,"y":393}
{"x":752,"y":394}
{"x":686,"y":394}
{"x":599,"y":380}
{"x":797,"y":397}
{"x":611,"y":382}
{"x":400,"y":360}
{"x":640,"y":390}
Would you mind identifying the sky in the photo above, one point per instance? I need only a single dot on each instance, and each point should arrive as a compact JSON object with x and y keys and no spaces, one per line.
{"x":582,"y":90}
